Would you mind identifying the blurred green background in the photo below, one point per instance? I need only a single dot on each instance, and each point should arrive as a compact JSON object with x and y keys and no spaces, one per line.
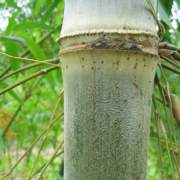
{"x":29,"y":144}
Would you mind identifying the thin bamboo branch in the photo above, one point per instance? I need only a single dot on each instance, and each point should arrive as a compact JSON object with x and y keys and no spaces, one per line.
{"x":50,"y":125}
{"x":29,"y":59}
{"x":154,"y":13}
{"x":171,"y":62}
{"x":45,"y":138}
{"x":170,"y":69}
{"x":51,"y":160}
{"x":165,"y":92}
{"x":26,"y":68}
{"x":39,"y":170}
{"x":156,"y":116}
{"x":163,"y":141}
{"x":5,"y":72}
{"x":27,"y":96}
{"x":169,"y":46}
{"x":39,"y":73}
{"x":176,"y":55}
{"x":12,"y":120}
{"x":168,"y":53}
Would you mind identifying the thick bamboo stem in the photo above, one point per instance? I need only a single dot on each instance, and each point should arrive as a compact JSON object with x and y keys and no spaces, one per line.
{"x":108,"y":60}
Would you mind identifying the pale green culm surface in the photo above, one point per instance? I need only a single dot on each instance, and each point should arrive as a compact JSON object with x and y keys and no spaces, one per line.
{"x":107,"y":113}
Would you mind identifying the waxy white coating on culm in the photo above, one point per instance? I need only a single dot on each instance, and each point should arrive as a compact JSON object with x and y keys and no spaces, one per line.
{"x":107,"y":90}
{"x":92,"y":16}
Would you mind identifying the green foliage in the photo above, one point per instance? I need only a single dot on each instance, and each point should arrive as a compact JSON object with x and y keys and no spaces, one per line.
{"x":28,"y":110}
{"x":166,"y":5}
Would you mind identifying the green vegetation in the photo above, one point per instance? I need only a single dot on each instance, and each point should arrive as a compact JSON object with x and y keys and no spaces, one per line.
{"x":31,"y":92}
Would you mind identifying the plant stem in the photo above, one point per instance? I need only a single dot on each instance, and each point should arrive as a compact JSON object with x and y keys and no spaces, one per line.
{"x":169,"y":46}
{"x":51,"y":124}
{"x":42,"y":144}
{"x":51,"y":159}
{"x":5,"y":72}
{"x":13,"y":119}
{"x":170,"y":69}
{"x":25,"y":68}
{"x":39,"y":73}
{"x":29,"y":59}
{"x":171,"y":62}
